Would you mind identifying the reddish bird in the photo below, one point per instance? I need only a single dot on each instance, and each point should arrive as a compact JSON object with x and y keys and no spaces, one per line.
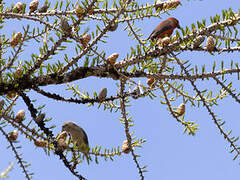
{"x":165,"y":28}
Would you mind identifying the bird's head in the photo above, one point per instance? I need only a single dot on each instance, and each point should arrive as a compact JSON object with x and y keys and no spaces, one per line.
{"x":176,"y":22}
{"x":67,"y":126}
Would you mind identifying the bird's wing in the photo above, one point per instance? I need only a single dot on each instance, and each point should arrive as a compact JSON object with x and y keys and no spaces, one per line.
{"x":163,"y":27}
{"x":85,"y":138}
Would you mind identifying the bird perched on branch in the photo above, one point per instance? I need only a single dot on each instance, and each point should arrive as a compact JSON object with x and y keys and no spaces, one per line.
{"x":165,"y":28}
{"x":78,"y":136}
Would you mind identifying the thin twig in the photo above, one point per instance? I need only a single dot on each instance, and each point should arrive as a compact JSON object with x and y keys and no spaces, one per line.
{"x":16,"y":154}
{"x":128,"y":136}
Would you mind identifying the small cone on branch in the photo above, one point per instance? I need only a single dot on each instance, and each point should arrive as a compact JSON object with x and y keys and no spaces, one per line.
{"x":33,"y":5}
{"x":91,"y":11}
{"x":112,"y":58}
{"x":198,"y":41}
{"x":159,"y":5}
{"x":136,"y":92}
{"x":43,"y":9}
{"x":20,"y":116}
{"x":103,"y":93}
{"x":113,"y":26}
{"x":79,"y":11}
{"x":63,"y":135}
{"x":65,"y":26}
{"x":16,"y":39}
{"x":85,"y":40}
{"x":13,"y":135}
{"x":210,"y":44}
{"x":171,"y":4}
{"x":18,"y":7}
{"x":40,"y":143}
{"x":180,"y":110}
{"x":125,"y":147}
{"x":151,"y":82}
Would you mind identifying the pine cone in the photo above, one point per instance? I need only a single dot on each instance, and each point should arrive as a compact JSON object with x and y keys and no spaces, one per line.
{"x":112,"y":58}
{"x":33,"y":5}
{"x":18,"y":7}
{"x":20,"y":116}
{"x":103,"y":94}
{"x":40,"y":143}
{"x":16,"y":39}
{"x":125,"y":147}
{"x":210,"y":44}
{"x":13,"y":136}
{"x":180,"y":110}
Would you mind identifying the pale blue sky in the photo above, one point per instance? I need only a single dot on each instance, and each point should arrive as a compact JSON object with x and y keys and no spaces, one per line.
{"x":168,"y":153}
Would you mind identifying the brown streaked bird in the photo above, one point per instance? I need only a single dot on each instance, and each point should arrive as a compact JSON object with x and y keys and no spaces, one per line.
{"x":78,"y":135}
{"x":165,"y":28}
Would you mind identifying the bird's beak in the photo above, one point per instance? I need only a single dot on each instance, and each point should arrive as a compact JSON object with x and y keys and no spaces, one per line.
{"x":178,"y":26}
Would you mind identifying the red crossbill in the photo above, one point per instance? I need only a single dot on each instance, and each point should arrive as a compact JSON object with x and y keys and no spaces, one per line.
{"x":165,"y":28}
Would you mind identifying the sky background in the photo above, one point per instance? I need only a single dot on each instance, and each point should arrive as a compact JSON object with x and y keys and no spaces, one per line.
{"x":168,"y":153}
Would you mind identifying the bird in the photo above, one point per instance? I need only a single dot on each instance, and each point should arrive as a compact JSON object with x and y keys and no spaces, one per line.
{"x":78,"y":136}
{"x":165,"y":28}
